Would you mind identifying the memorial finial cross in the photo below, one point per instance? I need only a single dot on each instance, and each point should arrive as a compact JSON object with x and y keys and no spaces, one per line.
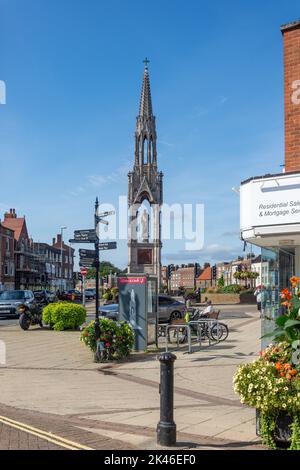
{"x":146,"y":62}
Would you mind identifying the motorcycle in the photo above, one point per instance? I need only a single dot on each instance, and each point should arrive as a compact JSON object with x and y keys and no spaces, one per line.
{"x":29,"y":317}
{"x":194,"y":296}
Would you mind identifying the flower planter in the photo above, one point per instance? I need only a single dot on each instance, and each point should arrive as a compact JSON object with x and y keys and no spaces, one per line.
{"x":283,"y":433}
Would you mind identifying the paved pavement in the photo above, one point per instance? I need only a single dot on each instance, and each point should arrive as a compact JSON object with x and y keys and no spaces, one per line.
{"x":51,"y":382}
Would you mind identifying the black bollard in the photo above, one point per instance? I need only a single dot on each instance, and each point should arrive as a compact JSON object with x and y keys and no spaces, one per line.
{"x":166,"y":428}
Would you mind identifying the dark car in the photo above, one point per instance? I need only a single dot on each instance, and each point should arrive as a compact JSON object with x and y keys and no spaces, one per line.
{"x":10,"y":301}
{"x":44,"y":296}
{"x":168,"y":309}
{"x":71,"y":295}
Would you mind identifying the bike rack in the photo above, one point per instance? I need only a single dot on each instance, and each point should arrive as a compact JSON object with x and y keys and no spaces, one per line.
{"x":187,"y":327}
{"x":177,"y":327}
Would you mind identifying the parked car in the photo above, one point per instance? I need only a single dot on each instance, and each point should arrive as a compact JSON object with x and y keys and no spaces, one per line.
{"x":44,"y":295}
{"x":72,"y":294}
{"x":168,"y":309}
{"x":90,"y":294}
{"x":110,"y":311}
{"x":10,"y":301}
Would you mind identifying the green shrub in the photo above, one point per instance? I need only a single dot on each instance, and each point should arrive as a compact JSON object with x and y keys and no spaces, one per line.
{"x":64,"y":315}
{"x":221,"y":282}
{"x":232,"y":289}
{"x":115,"y":294}
{"x":117,"y":338}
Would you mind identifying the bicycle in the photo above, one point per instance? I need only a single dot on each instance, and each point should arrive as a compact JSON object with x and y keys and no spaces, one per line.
{"x":216,"y":331}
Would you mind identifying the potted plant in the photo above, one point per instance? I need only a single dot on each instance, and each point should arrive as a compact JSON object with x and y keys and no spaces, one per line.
{"x":271,"y":384}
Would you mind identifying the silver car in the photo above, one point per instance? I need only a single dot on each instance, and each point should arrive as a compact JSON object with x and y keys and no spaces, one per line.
{"x":11,"y":300}
{"x":168,"y":309}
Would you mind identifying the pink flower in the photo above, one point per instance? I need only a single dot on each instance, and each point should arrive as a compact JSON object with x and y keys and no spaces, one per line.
{"x":107,"y":344}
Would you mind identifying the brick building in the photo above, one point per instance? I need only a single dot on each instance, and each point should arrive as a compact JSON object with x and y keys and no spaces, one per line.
{"x":7,"y":258}
{"x":164,"y":276}
{"x":205,"y":279}
{"x":270,"y":203}
{"x":184,"y":277}
{"x":224,"y":269}
{"x":65,"y":265}
{"x":49,"y":266}
{"x":26,"y":260}
{"x":291,"y":47}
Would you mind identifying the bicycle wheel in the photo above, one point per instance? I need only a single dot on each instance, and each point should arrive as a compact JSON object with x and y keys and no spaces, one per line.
{"x":174,"y":333}
{"x":219,"y":332}
{"x":203,"y":330}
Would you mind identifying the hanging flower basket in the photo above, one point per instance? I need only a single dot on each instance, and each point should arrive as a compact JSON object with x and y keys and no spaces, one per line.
{"x":115,"y":342}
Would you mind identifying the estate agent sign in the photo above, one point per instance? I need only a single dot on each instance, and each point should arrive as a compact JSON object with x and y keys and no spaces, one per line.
{"x":270,"y":201}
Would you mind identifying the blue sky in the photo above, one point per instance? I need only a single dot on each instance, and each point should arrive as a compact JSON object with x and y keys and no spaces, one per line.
{"x":73,"y":72}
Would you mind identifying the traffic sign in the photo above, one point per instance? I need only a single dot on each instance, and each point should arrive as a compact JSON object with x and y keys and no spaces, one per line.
{"x":105,"y":214}
{"x":107,"y":246}
{"x":87,"y":253}
{"x":83,"y":271}
{"x":73,"y":240}
{"x":88,"y":235}
{"x":87,"y":260}
{"x":86,"y":264}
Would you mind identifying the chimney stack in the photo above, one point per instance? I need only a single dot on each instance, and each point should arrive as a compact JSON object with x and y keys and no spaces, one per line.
{"x":11,"y":214}
{"x":291,"y":46}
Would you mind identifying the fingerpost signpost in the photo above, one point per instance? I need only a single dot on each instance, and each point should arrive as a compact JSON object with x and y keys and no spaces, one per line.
{"x":91,"y":258}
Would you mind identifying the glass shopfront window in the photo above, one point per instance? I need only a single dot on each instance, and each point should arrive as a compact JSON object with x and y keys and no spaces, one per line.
{"x":277,"y":268}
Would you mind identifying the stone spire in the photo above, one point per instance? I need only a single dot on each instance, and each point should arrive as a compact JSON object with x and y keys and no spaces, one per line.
{"x":145,"y":132}
{"x":146,"y":102}
{"x":145,"y":183}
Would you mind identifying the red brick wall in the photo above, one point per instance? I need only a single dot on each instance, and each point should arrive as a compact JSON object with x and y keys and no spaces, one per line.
{"x":6,"y":257}
{"x":291,"y":43}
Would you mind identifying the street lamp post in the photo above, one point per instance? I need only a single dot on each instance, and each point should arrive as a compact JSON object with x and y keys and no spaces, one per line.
{"x":61,"y":256}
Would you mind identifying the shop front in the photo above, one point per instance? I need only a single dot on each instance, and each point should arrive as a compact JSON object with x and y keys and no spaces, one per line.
{"x":270,"y":219}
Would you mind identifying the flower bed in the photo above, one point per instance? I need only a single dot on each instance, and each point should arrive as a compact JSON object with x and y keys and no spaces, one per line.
{"x":271,"y":384}
{"x":117,"y":339}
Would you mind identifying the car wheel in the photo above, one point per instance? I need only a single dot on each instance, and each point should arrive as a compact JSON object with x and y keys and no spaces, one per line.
{"x":175,"y":316}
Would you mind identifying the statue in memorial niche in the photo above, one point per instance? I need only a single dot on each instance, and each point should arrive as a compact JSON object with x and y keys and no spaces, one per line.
{"x":133,"y":311}
{"x":145,"y":225}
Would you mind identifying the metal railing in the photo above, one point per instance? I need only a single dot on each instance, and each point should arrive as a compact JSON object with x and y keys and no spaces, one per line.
{"x":188,"y":328}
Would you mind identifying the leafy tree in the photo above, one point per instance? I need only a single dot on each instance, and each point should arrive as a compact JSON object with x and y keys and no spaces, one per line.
{"x":221,"y":282}
{"x":105,"y":269}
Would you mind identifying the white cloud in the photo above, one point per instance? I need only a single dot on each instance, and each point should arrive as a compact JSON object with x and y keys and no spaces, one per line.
{"x":96,"y":180}
{"x":212,"y":253}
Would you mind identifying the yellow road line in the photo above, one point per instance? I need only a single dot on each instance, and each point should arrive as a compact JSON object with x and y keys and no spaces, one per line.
{"x":60,"y":441}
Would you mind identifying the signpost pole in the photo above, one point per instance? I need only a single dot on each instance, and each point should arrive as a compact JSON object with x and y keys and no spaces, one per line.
{"x":89,"y":258}
{"x":83,"y":291}
{"x":97,"y":267}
